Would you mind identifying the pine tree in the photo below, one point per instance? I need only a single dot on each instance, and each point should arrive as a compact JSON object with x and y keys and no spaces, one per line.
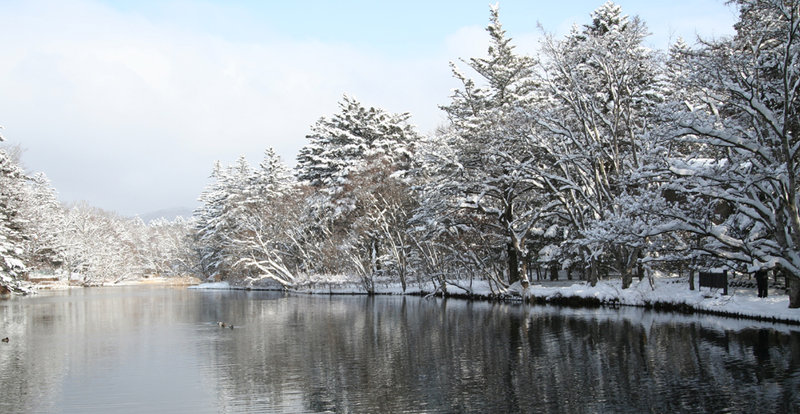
{"x":265,"y":241}
{"x":241,"y":228}
{"x":44,"y":221}
{"x":208,"y":224}
{"x":355,"y":162}
{"x":480,"y":174}
{"x":273,"y":179}
{"x":339,"y":146}
{"x":12,"y":237}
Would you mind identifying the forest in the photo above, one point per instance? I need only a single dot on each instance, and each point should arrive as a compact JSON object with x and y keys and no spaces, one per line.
{"x":596,"y":156}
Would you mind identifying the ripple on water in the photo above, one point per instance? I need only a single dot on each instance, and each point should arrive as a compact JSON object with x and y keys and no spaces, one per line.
{"x":160,"y":350}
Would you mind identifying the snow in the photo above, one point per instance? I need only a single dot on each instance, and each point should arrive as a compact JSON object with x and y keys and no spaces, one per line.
{"x":213,"y":285}
{"x":670,"y":291}
{"x":742,"y":302}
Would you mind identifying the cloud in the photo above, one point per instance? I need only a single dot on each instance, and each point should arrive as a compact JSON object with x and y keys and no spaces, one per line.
{"x":468,"y":41}
{"x":128,"y":109}
{"x":130,"y":113}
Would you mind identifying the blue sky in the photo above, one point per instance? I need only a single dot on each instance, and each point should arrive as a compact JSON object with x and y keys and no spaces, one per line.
{"x":408,"y":27}
{"x":126,"y":104}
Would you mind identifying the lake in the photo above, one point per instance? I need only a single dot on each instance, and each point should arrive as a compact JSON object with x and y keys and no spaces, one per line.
{"x":160,"y":350}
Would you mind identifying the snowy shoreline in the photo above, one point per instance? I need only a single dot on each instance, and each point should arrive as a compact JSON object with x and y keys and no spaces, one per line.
{"x":666,"y":294}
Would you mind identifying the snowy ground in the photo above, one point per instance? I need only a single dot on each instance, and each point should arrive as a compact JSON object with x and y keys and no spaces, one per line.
{"x":159,"y":280}
{"x":670,"y":292}
{"x":50,"y":282}
{"x":675,"y":292}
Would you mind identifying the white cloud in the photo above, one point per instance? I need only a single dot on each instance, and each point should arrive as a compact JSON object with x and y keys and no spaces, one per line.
{"x":468,"y":41}
{"x":129,"y":112}
{"x":110,"y":104}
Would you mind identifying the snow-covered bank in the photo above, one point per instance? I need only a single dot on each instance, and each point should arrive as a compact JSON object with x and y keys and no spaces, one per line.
{"x":215,"y":286}
{"x":39,"y":282}
{"x":664,"y":293}
{"x":159,"y":280}
{"x":672,"y":293}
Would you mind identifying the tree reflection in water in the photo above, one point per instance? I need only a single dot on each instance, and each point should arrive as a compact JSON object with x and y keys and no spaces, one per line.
{"x":160,"y":350}
{"x":396,"y":354}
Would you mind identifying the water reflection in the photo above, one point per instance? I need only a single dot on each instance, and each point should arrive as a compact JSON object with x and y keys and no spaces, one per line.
{"x":160,"y":350}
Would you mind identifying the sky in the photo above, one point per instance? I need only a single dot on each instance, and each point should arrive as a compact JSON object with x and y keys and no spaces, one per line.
{"x":126,"y":104}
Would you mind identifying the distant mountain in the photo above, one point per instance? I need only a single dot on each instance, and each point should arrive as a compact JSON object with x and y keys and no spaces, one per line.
{"x":168,"y":213}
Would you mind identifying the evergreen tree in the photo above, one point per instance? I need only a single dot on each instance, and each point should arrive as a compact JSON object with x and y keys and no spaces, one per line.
{"x":44,"y":222}
{"x":12,"y":237}
{"x":265,"y":241}
{"x":339,"y":146}
{"x":482,"y":171}
{"x":355,"y":162}
{"x":244,"y":215}
{"x":208,"y":222}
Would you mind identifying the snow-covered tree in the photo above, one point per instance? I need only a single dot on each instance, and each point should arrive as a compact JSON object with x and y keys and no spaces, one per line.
{"x":165,"y":248}
{"x":748,"y":119}
{"x":479,"y":172}
{"x":242,"y":228}
{"x":12,"y":237}
{"x":266,"y":243}
{"x":44,"y":221}
{"x":602,"y":87}
{"x":354,"y":162}
{"x":226,"y":199}
{"x":340,"y":144}
{"x":100,"y":246}
{"x":208,"y":241}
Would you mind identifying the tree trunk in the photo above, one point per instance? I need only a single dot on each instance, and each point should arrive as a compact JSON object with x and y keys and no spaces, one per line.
{"x":627,"y":277}
{"x":375,"y":255}
{"x":593,"y":273}
{"x":525,"y":281}
{"x":794,"y":291}
{"x":513,"y":264}
{"x":640,"y":269}
{"x":628,"y":262}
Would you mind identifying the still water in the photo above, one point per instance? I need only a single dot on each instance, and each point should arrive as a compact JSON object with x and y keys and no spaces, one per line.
{"x":160,"y":350}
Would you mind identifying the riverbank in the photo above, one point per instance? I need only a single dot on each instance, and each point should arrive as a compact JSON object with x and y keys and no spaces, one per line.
{"x":665,"y":293}
{"x":163,"y":281}
{"x":673,"y":294}
{"x":49,"y":283}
